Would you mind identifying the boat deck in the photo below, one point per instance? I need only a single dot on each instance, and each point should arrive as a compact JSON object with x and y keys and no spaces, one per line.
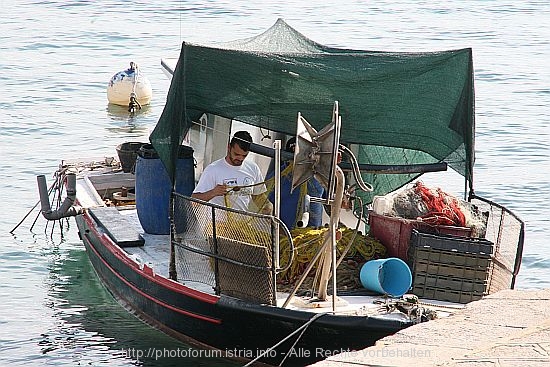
{"x":154,"y":250}
{"x":156,"y":254}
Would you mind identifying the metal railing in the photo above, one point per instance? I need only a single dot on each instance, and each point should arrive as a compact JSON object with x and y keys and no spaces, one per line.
{"x":230,"y":250}
{"x":507,"y":231}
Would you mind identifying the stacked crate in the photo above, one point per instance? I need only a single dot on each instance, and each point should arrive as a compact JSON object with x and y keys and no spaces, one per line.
{"x":395,"y":232}
{"x":450,"y":268}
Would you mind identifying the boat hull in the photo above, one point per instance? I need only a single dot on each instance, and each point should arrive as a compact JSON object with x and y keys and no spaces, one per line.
{"x":238,"y":329}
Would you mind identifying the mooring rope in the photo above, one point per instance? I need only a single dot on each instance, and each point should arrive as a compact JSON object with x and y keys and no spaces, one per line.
{"x":133,"y":96}
{"x":301,"y":328}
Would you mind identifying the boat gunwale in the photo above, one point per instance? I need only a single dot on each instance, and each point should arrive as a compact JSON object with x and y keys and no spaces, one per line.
{"x":147,"y":272}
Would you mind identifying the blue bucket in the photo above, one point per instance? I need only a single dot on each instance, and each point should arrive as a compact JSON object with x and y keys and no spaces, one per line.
{"x":387,"y":276}
{"x":153,"y":187}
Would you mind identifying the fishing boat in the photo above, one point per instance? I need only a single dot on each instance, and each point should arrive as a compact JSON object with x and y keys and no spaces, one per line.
{"x":367,"y":125}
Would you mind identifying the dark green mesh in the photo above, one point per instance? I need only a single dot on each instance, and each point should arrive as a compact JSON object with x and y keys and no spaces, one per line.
{"x":398,"y":108}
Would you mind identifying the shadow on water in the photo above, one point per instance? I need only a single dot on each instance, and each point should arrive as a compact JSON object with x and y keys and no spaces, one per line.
{"x":120,"y":113}
{"x":129,"y":122}
{"x":93,"y":328}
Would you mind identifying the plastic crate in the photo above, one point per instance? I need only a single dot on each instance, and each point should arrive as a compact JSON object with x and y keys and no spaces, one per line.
{"x":448,"y":295}
{"x":452,"y":243}
{"x":395,"y":232}
{"x":454,"y":269}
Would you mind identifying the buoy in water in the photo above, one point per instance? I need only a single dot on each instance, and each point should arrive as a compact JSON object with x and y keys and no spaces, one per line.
{"x":129,"y":88}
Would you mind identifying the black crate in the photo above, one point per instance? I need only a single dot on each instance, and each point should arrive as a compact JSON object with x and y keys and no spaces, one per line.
{"x":450,"y":268}
{"x":452,"y":243}
{"x":478,"y":272}
{"x":439,"y":281}
{"x":458,"y":259}
{"x":448,"y":295}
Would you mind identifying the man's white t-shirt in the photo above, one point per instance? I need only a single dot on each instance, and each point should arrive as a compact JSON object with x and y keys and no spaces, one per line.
{"x":220,"y":172}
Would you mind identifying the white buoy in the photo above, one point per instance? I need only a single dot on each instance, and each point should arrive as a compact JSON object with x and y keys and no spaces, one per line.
{"x":128,"y":87}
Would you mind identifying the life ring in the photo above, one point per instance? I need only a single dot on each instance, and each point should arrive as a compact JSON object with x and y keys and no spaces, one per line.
{"x":124,"y":83}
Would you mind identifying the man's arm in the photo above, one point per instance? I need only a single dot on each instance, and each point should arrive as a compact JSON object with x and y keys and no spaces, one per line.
{"x":218,"y":190}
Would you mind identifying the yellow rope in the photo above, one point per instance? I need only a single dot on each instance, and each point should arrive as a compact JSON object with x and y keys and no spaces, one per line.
{"x":270,"y":186}
{"x":307,"y":242}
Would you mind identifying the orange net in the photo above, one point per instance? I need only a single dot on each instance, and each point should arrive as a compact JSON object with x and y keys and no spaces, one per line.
{"x":442,"y":208}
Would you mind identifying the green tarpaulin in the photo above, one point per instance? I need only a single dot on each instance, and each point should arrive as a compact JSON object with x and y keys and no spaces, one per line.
{"x":396,"y":108}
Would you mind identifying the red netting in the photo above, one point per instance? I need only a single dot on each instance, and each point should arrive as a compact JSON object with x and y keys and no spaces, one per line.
{"x":442,"y":208}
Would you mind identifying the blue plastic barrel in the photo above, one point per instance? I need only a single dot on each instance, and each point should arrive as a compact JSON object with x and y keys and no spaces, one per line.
{"x":153,"y":187}
{"x":390,"y":276}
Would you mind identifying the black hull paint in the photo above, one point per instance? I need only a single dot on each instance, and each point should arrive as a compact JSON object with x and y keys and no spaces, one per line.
{"x":241,"y":329}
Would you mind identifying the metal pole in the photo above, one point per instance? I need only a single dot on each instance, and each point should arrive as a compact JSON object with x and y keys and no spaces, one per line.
{"x":329,"y":259}
{"x":337,"y":205}
{"x":277,"y":203}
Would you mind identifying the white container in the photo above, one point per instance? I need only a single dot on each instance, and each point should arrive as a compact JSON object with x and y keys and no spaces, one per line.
{"x":382,"y":205}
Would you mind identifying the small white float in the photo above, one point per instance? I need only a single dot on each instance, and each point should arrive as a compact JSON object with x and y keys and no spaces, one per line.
{"x":129,"y":88}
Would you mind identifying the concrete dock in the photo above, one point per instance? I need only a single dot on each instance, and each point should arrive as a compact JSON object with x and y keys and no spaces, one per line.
{"x":510,"y":328}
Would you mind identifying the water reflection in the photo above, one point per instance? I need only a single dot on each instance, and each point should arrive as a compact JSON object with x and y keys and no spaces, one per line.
{"x":129,"y":123}
{"x":92,"y":328}
{"x":121,"y":113}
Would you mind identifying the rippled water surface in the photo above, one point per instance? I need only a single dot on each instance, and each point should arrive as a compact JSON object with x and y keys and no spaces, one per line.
{"x":56,"y":58}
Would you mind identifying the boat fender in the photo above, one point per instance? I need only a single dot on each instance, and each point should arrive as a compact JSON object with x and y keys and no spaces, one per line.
{"x":67,"y":208}
{"x":129,"y":88}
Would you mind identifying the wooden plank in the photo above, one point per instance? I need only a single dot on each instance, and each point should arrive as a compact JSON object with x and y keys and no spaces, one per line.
{"x":112,"y":181}
{"x":117,"y":226}
{"x":242,"y":282}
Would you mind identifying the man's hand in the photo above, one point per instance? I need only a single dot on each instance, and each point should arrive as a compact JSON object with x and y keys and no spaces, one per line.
{"x":218,"y":190}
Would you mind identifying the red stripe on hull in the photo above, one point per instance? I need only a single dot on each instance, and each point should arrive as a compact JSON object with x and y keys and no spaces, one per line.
{"x":161,"y":281}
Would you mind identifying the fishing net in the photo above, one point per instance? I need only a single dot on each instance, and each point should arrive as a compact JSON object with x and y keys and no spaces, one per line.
{"x":435,"y":207}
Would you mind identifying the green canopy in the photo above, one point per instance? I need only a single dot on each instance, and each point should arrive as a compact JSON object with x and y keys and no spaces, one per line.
{"x":396,"y":108}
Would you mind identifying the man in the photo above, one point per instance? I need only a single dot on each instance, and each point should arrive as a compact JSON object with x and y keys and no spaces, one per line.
{"x":233,"y":181}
